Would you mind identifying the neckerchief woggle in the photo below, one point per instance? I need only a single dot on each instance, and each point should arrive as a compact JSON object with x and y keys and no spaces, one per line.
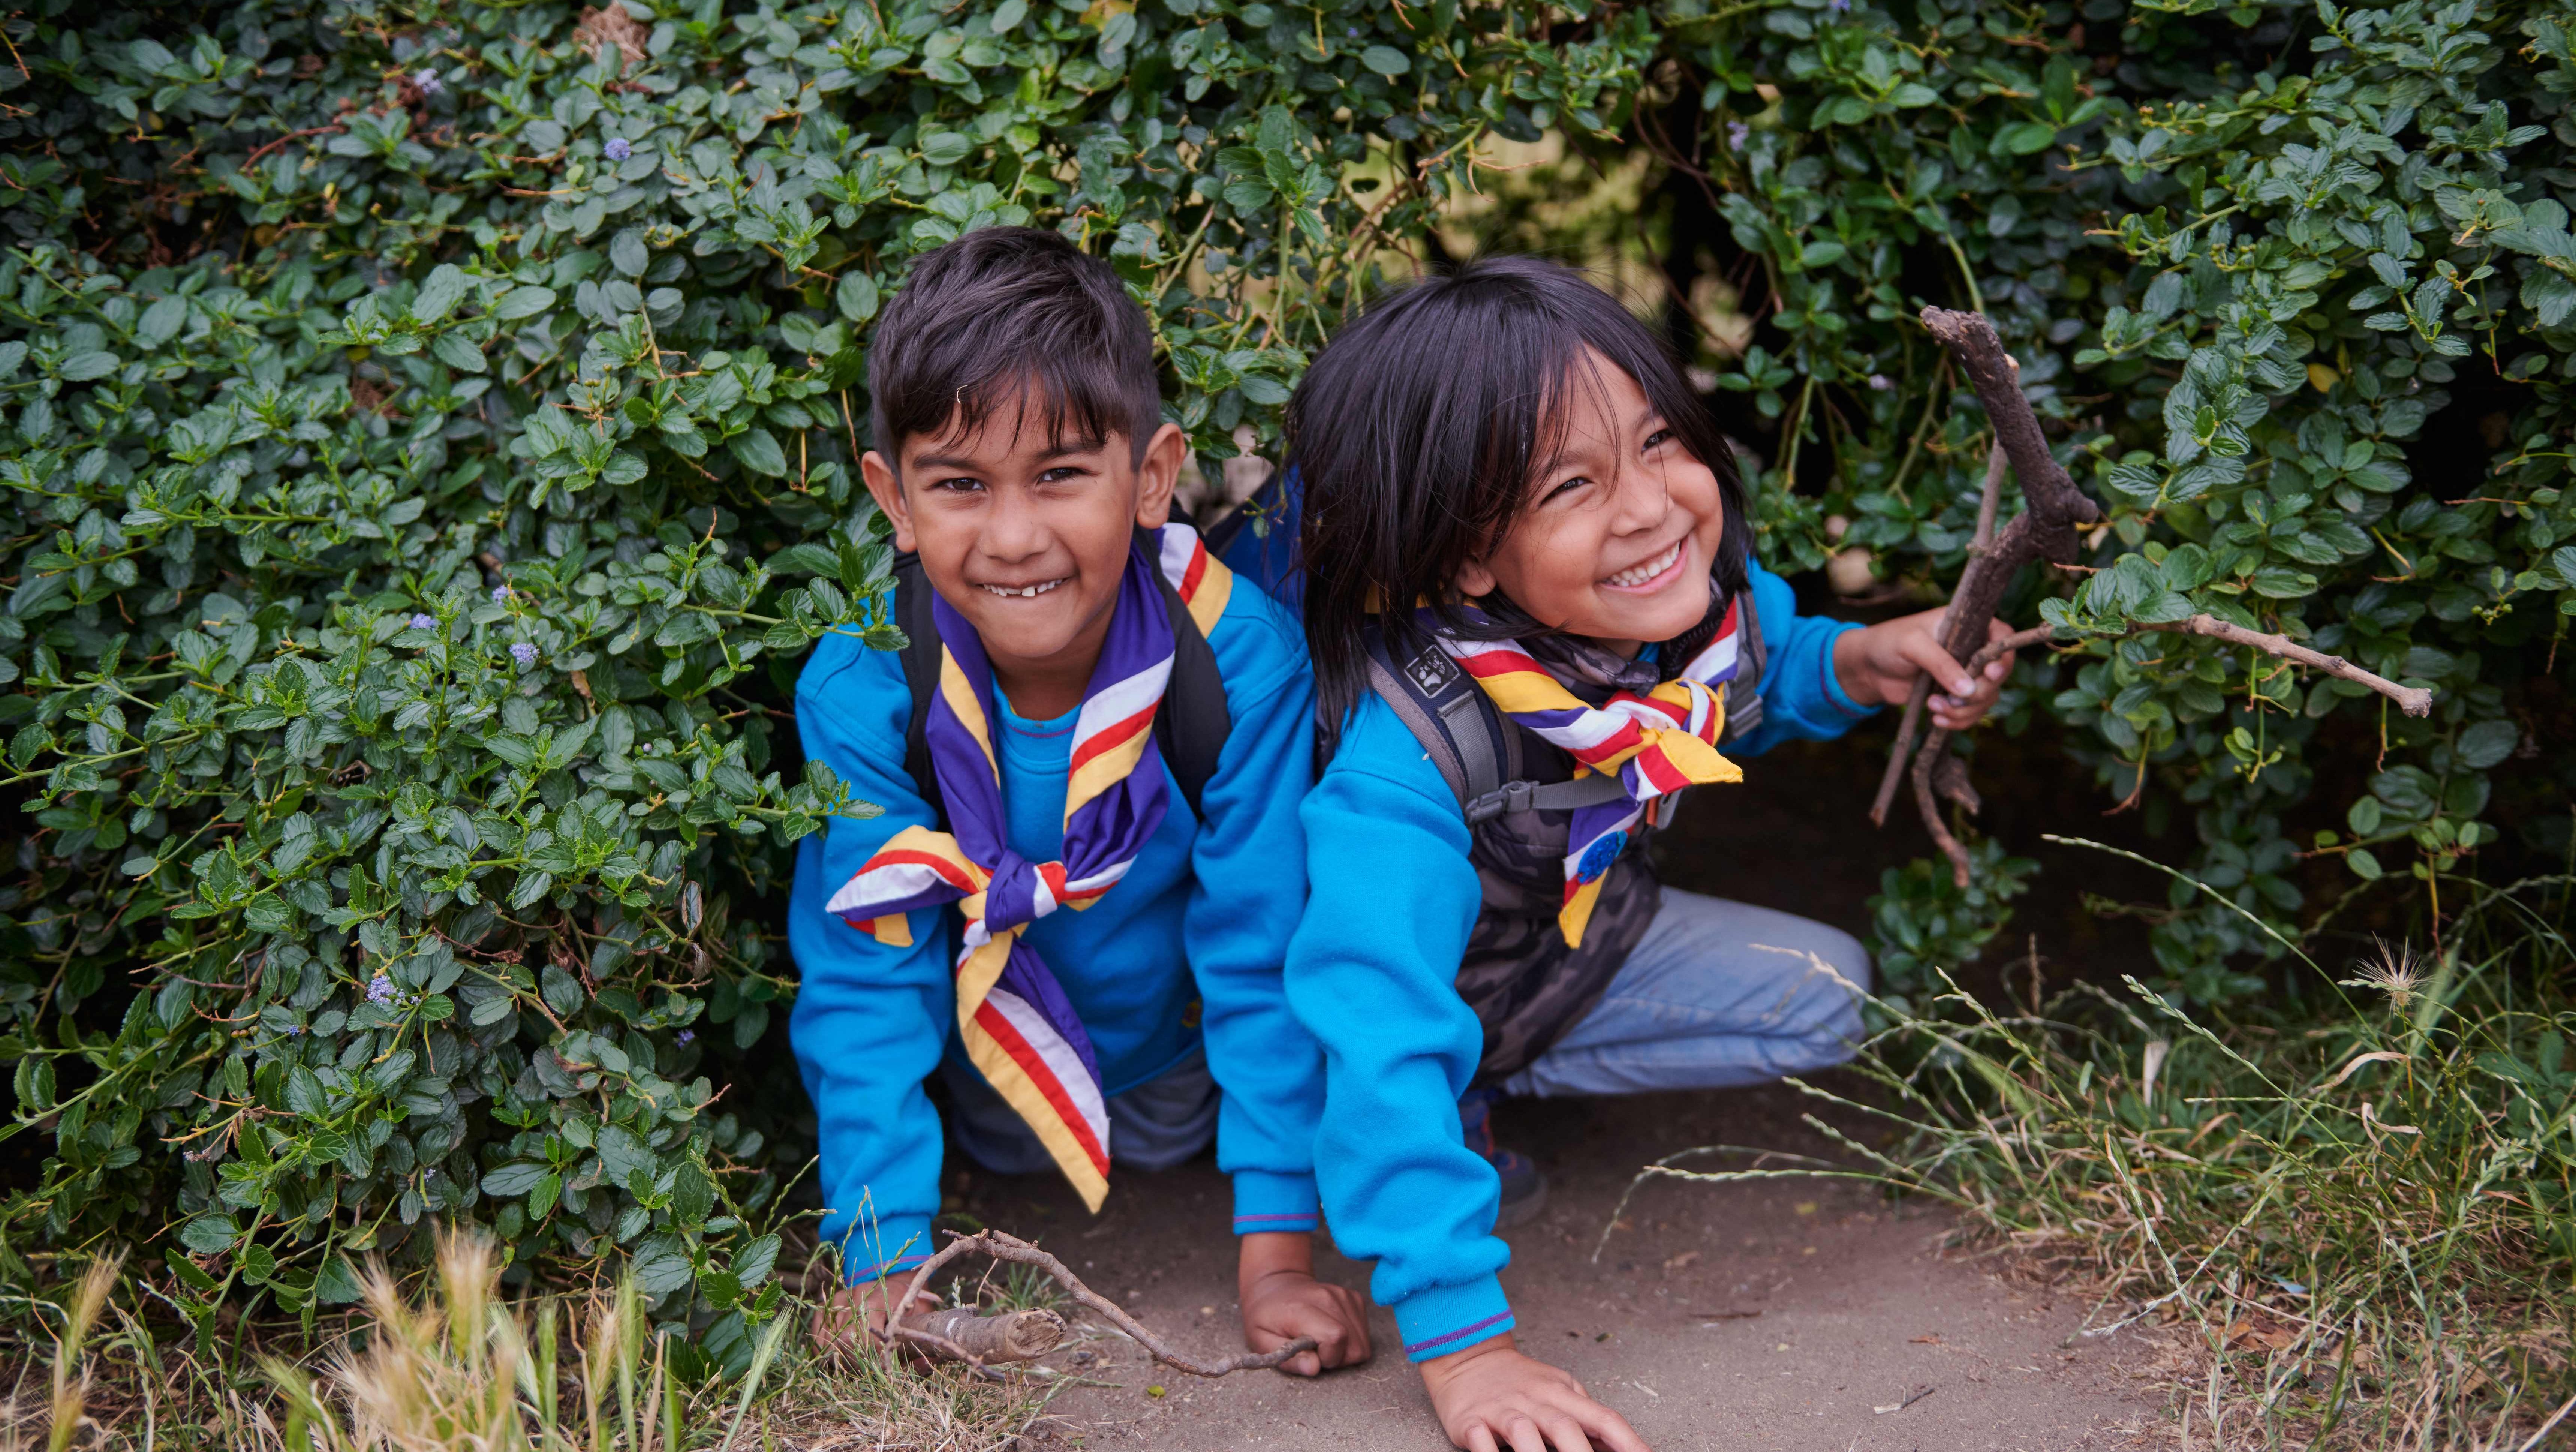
{"x":1018,"y":1028}
{"x":1656,"y":743}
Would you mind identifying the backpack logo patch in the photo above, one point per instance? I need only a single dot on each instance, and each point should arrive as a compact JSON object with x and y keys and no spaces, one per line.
{"x":1431,"y":671}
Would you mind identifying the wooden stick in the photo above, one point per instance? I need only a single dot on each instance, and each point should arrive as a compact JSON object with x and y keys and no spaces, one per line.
{"x":1979,"y":546}
{"x":1013,"y":1336}
{"x":1011,"y":1248}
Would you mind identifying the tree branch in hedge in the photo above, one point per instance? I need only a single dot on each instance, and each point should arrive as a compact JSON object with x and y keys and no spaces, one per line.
{"x":945,"y":1340}
{"x":1938,"y":774}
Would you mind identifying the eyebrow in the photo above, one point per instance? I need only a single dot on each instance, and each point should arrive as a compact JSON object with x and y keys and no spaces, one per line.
{"x":1062,"y":448}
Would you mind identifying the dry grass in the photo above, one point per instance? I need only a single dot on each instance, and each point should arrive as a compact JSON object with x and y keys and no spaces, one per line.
{"x":2356,"y":1223}
{"x":456,"y":1368}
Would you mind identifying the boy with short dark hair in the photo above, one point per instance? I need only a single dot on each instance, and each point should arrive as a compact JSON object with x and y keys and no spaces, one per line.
{"x":1093,"y":715}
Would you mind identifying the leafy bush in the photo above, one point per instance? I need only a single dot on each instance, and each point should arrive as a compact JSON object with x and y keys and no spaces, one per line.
{"x":428,"y":450}
{"x":429,"y":436}
{"x":2293,"y":283}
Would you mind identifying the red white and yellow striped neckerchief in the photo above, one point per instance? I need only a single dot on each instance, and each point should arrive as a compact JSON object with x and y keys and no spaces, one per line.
{"x":1656,"y":743}
{"x":1017,"y":1026}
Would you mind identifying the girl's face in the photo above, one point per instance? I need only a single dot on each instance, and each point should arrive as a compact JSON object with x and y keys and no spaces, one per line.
{"x":1621,"y":525}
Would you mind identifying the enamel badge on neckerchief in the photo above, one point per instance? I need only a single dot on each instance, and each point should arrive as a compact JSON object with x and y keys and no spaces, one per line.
{"x":1012,"y":1015}
{"x":1656,"y":742}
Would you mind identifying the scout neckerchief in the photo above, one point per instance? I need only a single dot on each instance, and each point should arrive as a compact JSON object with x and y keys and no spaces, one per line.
{"x":1017,"y":1025}
{"x":1657,"y":742}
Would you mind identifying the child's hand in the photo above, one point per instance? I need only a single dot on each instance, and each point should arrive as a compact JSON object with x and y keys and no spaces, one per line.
{"x":1877,"y":666}
{"x":855,"y":1316}
{"x":1490,"y":1397}
{"x":1282,"y":1301}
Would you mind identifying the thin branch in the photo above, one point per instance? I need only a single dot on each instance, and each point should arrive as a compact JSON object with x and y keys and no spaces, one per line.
{"x":2412,"y":701}
{"x":1978,"y":548}
{"x":1011,"y":1248}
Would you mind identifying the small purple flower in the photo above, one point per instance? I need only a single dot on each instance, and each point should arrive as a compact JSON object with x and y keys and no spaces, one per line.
{"x":522,"y":652}
{"x":424,"y":622}
{"x":1881,"y":382}
{"x":295,"y":1031}
{"x":381,"y":991}
{"x":429,"y":83}
{"x":685,"y":1037}
{"x":500,"y":594}
{"x":618,"y":148}
{"x":1737,"y":133}
{"x":1838,"y":7}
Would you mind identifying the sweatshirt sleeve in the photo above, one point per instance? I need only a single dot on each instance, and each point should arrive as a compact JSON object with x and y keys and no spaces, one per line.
{"x":870,"y":1020}
{"x":1373,"y":972}
{"x":1802,"y":699}
{"x":1249,"y":891}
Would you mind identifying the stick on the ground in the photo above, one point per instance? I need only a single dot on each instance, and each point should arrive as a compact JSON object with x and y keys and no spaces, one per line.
{"x":1012,"y":1336}
{"x":1011,"y":1248}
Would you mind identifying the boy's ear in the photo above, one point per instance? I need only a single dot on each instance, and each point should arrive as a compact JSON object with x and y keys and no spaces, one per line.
{"x":1161,"y":473}
{"x":888,"y":492}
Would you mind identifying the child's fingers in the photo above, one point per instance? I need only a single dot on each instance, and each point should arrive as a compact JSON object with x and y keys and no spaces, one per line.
{"x":1525,"y":1436}
{"x":1609,"y":1430}
{"x":1480,"y":1438}
{"x":1565,"y":1433}
{"x":1921,"y":651}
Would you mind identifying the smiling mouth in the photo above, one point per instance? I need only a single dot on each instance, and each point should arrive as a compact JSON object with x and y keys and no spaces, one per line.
{"x":1649,"y":571}
{"x":1024,"y":592}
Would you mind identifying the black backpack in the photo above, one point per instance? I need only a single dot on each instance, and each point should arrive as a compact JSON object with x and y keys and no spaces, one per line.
{"x":1190,"y":727}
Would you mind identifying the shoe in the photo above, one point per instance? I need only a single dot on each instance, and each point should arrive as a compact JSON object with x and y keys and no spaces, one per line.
{"x":1524,"y":1188}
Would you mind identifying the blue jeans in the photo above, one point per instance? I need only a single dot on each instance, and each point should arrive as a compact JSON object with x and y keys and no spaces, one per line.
{"x":1705,"y":1002}
{"x":1154,"y":1126}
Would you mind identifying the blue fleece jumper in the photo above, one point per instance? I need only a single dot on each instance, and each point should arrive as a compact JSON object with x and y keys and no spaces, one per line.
{"x":1373,"y":970}
{"x":1188,"y":944}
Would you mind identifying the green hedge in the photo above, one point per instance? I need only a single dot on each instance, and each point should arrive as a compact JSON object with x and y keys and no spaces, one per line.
{"x":428,"y":454}
{"x":428,"y":438}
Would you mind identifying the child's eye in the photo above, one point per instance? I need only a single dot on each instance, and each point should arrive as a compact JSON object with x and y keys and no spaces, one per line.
{"x":962,"y":484}
{"x":1062,"y":474}
{"x":1570,"y":486}
{"x":1657,"y":440}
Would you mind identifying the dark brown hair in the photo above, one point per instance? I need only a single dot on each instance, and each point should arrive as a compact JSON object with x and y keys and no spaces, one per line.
{"x":1415,"y":435}
{"x":1006,"y":313}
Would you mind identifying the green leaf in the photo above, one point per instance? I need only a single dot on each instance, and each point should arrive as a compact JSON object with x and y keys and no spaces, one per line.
{"x":439,"y":294}
{"x":523,"y":302}
{"x":1386,"y":60}
{"x":82,"y":367}
{"x":759,"y":452}
{"x":857,"y":293}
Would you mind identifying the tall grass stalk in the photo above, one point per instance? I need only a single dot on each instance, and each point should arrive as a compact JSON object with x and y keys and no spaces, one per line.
{"x":2362,"y":1215}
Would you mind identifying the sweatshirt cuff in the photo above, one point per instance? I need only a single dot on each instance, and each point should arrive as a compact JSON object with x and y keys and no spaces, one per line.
{"x":884,"y":1247}
{"x":1266,"y":1201}
{"x":1835,"y":695}
{"x":1443,"y":1319}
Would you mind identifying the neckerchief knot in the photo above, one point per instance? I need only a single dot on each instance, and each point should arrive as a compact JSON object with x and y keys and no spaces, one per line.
{"x":1656,"y":742}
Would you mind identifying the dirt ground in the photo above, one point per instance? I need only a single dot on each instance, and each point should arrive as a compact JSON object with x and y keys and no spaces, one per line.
{"x":1788,"y":1314}
{"x":1800,"y":1315}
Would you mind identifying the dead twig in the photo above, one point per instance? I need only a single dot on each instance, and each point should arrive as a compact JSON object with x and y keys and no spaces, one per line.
{"x":2410,"y":699}
{"x":1978,"y":547}
{"x":1011,"y":1248}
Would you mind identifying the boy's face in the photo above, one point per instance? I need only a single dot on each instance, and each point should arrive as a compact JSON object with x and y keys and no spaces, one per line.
{"x":1621,"y":526}
{"x":1026,"y":535}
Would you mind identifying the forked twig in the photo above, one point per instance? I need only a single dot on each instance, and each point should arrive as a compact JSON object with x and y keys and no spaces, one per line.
{"x":1011,"y":1248}
{"x":2044,"y":530}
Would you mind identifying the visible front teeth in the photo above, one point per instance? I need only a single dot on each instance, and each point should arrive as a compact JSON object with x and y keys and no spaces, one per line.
{"x":1025,"y":592}
{"x":1650,"y":569}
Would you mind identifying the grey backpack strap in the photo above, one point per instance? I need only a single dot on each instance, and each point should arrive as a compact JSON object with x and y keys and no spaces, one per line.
{"x":1554,"y":796}
{"x":1462,"y":733}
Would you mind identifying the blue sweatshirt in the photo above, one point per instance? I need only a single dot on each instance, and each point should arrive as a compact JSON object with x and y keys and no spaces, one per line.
{"x":1188,"y":944}
{"x":1373,"y":970}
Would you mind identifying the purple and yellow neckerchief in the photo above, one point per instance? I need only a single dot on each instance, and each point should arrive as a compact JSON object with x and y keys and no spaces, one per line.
{"x":1018,"y":1028}
{"x":1657,"y":743}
